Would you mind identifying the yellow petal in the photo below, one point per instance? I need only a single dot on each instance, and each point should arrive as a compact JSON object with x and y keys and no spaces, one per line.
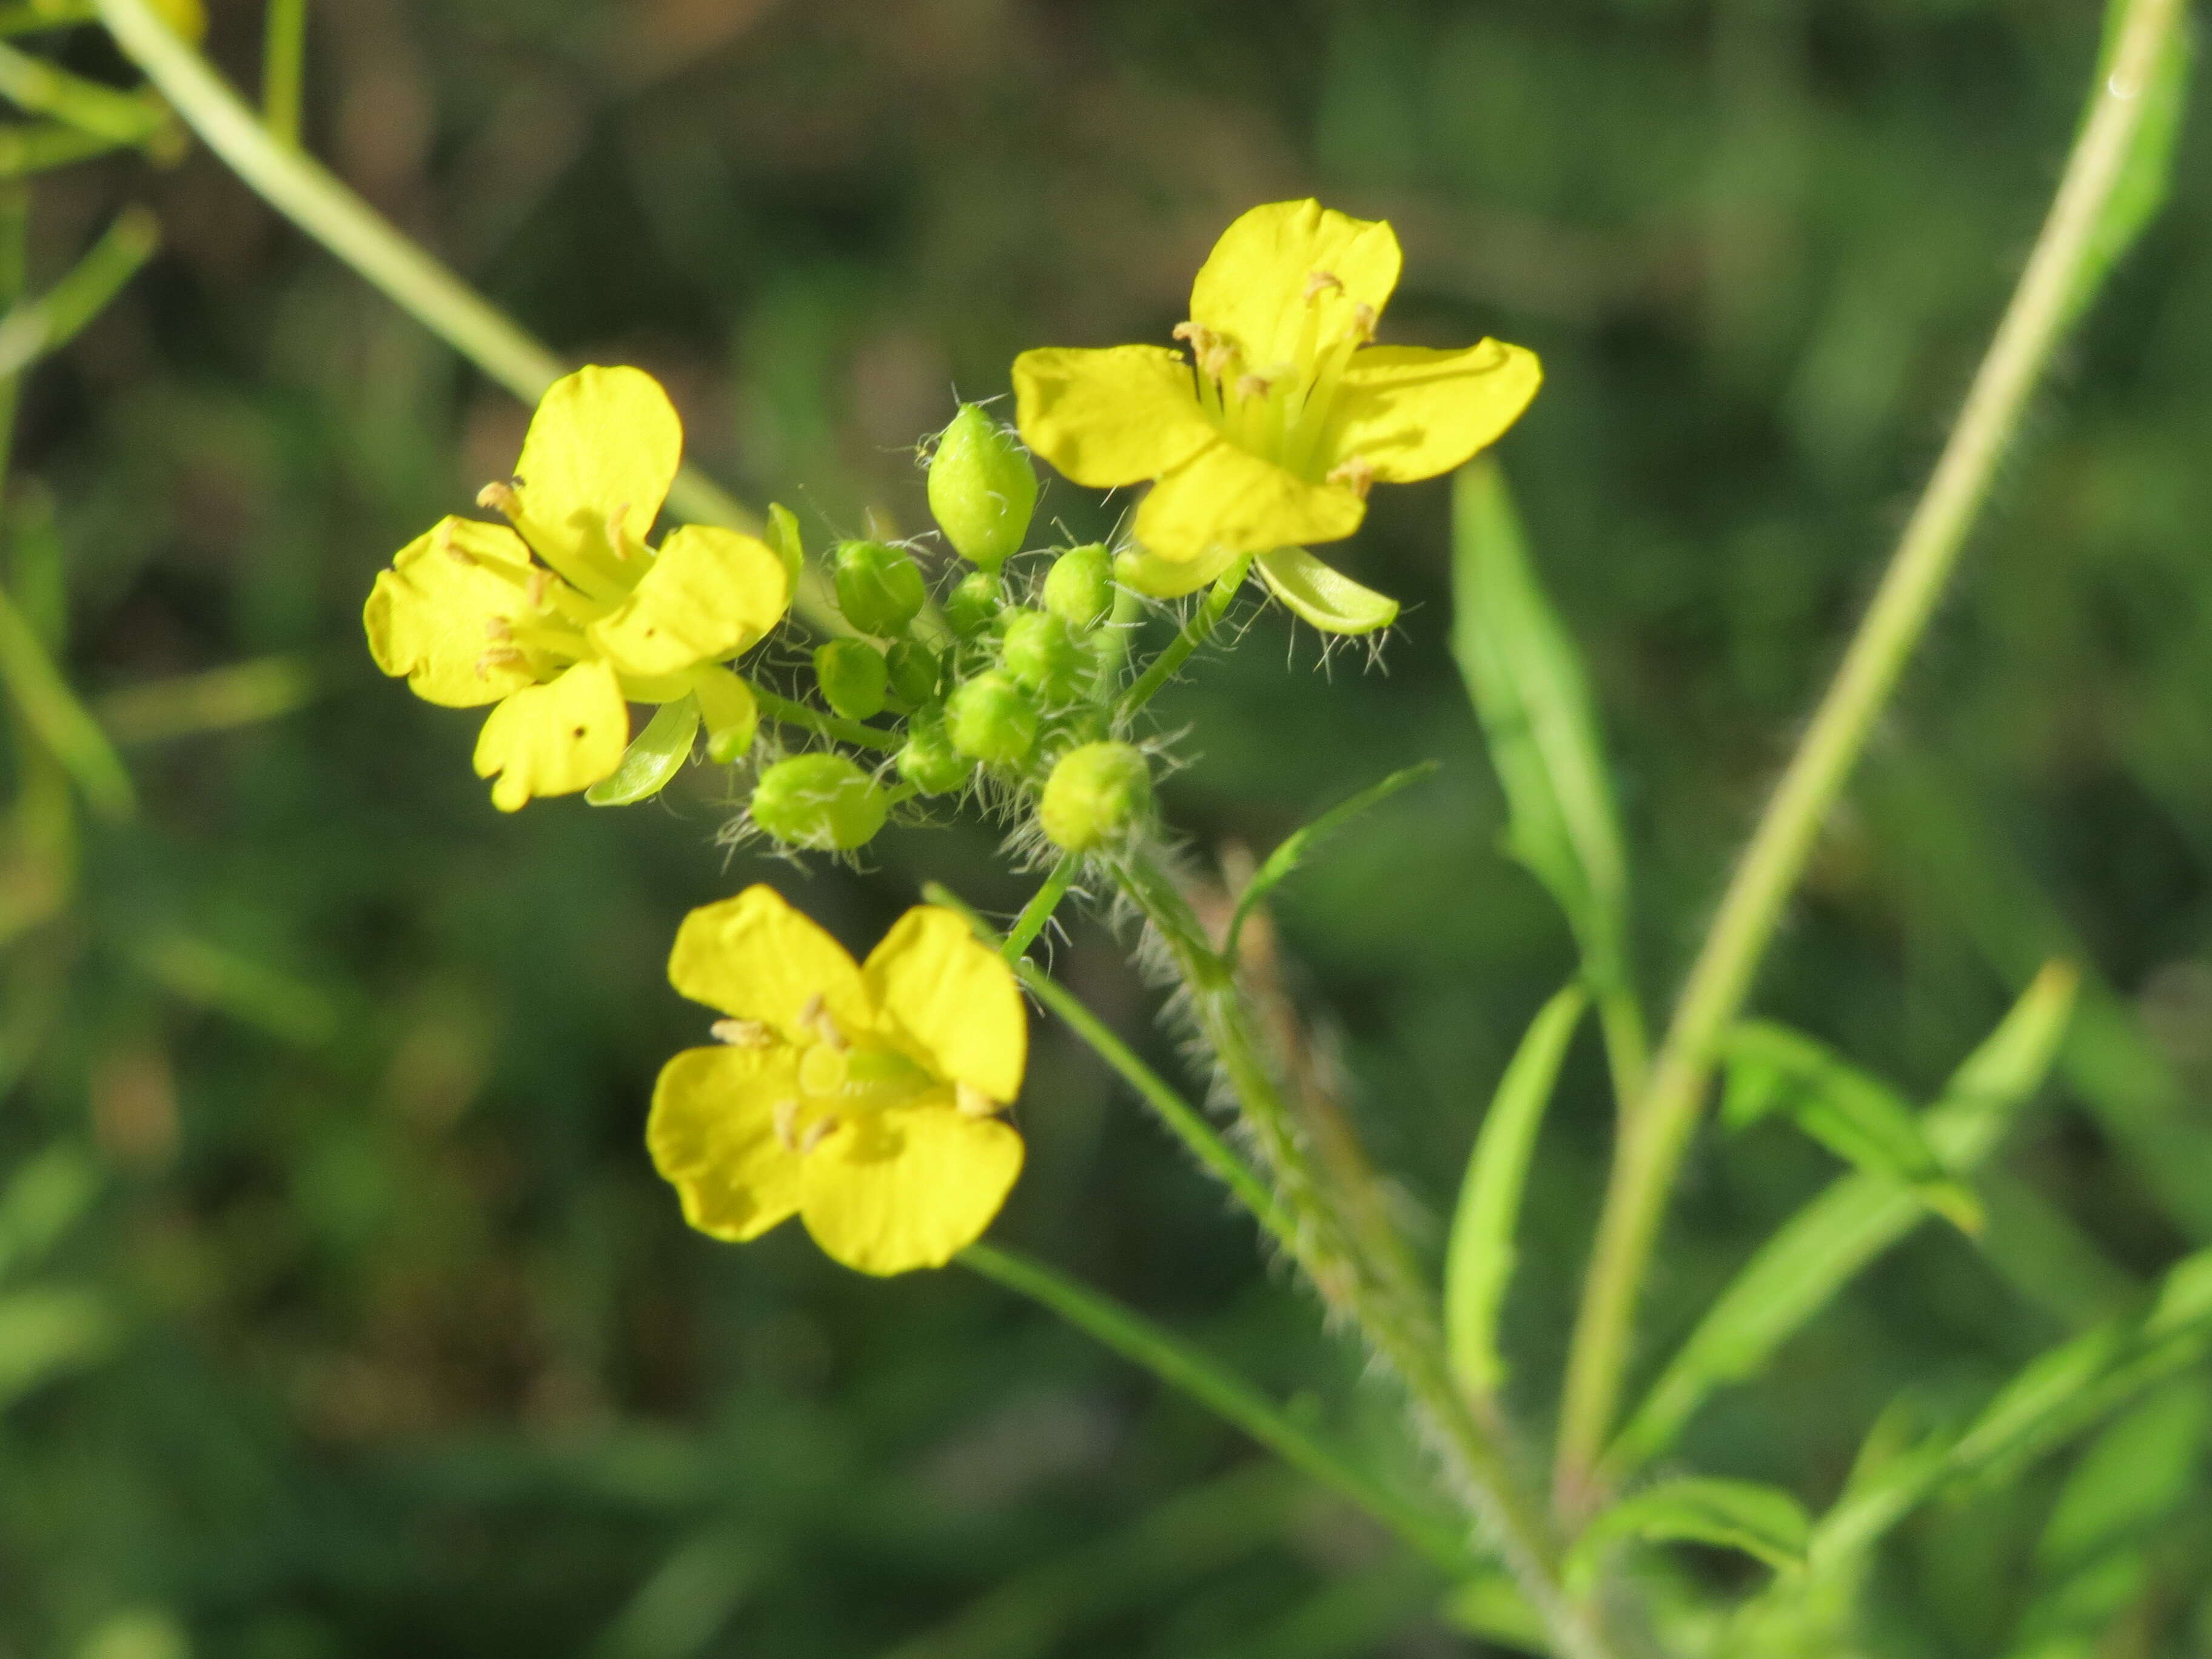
{"x":907,"y":1188}
{"x":1169,"y":579}
{"x":555,"y":740}
{"x":1229,"y":500}
{"x":1112,"y":417}
{"x":1327,"y":598}
{"x":710,"y":593}
{"x":1412,"y":413}
{"x":755,"y":956}
{"x":604,"y":444}
{"x":712,"y":1134}
{"x":1254,"y":286}
{"x":950,"y":1001}
{"x":426,"y":616}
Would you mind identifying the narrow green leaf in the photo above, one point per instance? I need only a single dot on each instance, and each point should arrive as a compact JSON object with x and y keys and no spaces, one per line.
{"x":1763,"y":1521}
{"x":1819,"y":1250}
{"x":46,"y":1332}
{"x":45,"y":1194}
{"x":214,"y":978}
{"x":1479,"y":1260}
{"x":53,"y":711}
{"x":2147,"y":175}
{"x":1852,"y":1114}
{"x":653,"y":758}
{"x":37,"y":327}
{"x":1299,"y":843}
{"x":1531,"y":693}
{"x":1323,"y":596}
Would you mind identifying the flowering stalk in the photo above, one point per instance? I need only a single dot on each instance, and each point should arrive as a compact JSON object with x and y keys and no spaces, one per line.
{"x":1655,"y":1135}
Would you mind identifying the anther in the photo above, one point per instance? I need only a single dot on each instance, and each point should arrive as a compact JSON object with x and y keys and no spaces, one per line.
{"x":453,"y":549}
{"x":817,"y":1131}
{"x":540,"y":588}
{"x":1252,"y":386}
{"x":786,"y":1121}
{"x":505,"y":656}
{"x":1362,"y":320}
{"x":742,"y":1033}
{"x":617,"y":535}
{"x":974,"y":1103}
{"x":1356,"y":473}
{"x":500,"y":498}
{"x":1319,"y":282}
{"x":817,"y":1017}
{"x":498,"y":628}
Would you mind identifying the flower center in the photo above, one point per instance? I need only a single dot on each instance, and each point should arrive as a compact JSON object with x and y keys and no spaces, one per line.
{"x":1278,"y":411}
{"x":838,"y":1078}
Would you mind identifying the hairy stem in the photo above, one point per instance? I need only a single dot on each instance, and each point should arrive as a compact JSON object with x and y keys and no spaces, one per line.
{"x":1038,"y":911}
{"x":784,"y":711}
{"x":1655,"y":1137}
{"x":1195,"y":632}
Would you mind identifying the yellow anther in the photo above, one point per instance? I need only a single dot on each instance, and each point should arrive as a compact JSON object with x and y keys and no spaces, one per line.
{"x":500,"y":498}
{"x":618,"y":536}
{"x":454,"y":550}
{"x":498,"y":628}
{"x":505,"y":656}
{"x":1362,"y":320}
{"x":787,"y":1122}
{"x":743,"y":1033}
{"x":974,"y":1103}
{"x":540,"y":588}
{"x":1252,"y":386}
{"x":1356,"y":473}
{"x":1319,"y":282}
{"x":817,"y":1131}
{"x":816,"y":1016}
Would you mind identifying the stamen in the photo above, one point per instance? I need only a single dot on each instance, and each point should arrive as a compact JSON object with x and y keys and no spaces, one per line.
{"x":974,"y":1103}
{"x":1252,"y":386}
{"x":505,"y":656}
{"x":618,"y":533}
{"x":454,"y":550}
{"x":1319,"y":282}
{"x":498,"y":628}
{"x":743,"y":1033}
{"x":786,"y":1121}
{"x":500,"y":499}
{"x":817,"y":1017}
{"x":1355,"y":472}
{"x":540,"y":587}
{"x":817,"y":1132}
{"x":1363,"y":321}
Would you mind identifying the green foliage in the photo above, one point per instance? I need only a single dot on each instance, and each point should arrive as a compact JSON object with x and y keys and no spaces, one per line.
{"x":1762,"y":1522}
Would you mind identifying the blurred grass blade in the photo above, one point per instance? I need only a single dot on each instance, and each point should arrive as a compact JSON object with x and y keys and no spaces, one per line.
{"x":653,"y":758}
{"x":31,"y":330}
{"x":1771,"y":1068}
{"x":44,"y":1195}
{"x":1206,"y":1381}
{"x":2147,"y":175}
{"x":1300,"y":843}
{"x":1763,"y":1521}
{"x":1533,"y":697}
{"x":283,"y":68}
{"x":219,"y":980}
{"x":47,"y":1331}
{"x":215,"y":700}
{"x":683,"y":1607}
{"x":1480,"y":1259}
{"x":1819,"y":1250}
{"x":38,"y":87}
{"x":51,"y":710}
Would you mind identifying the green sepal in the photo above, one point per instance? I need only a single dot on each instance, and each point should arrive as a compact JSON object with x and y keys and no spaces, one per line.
{"x":653,"y":758}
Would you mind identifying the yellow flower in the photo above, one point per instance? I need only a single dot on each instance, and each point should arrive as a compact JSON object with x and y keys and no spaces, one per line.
{"x":569,"y":617}
{"x":863,"y":1097}
{"x":1291,"y":417}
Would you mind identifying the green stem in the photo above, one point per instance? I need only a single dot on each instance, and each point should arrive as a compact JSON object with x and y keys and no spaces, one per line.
{"x":38,"y":17}
{"x":31,"y":329}
{"x":1182,"y":1119}
{"x":284,"y":68}
{"x":35,"y":85}
{"x":1182,"y":1366}
{"x":1656,"y":1138}
{"x":1627,"y":1044}
{"x":814,"y":721}
{"x":1038,"y":911}
{"x":1195,"y":632}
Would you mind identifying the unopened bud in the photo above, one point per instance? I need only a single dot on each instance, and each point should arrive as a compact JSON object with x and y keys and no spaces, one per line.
{"x":915,"y":672}
{"x":929,"y":762}
{"x":973,"y":604}
{"x":1096,"y":796}
{"x":853,"y":677}
{"x":991,"y":719}
{"x":981,"y":488}
{"x":818,"y":802}
{"x":1041,"y":653}
{"x":879,"y":588}
{"x":1078,"y":589}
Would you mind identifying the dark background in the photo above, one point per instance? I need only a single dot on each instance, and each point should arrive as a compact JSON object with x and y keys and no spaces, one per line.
{"x":410,"y":1352}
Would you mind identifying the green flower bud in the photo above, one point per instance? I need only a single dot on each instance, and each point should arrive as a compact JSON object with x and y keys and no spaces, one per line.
{"x":973,"y":604}
{"x":853,"y":677}
{"x":879,"y":588}
{"x":915,"y":672}
{"x":981,"y":488}
{"x":1041,"y":653}
{"x":819,"y":802}
{"x":1078,"y":589}
{"x":1096,"y":795}
{"x":930,"y":763}
{"x":993,"y":718}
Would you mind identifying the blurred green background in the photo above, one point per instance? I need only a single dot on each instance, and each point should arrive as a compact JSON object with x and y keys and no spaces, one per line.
{"x":341,"y":1313}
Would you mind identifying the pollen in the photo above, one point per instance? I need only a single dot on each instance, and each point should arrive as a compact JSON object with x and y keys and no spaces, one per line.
{"x":500,"y":498}
{"x":1252,"y":386}
{"x":786,"y":1119}
{"x":1356,"y":473}
{"x":1319,"y":282}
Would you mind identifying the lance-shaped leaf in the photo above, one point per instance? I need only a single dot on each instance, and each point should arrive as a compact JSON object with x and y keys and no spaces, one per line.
{"x":1531,"y":693}
{"x":1854,"y":1115}
{"x":2146,"y":174}
{"x":1299,"y":843}
{"x":1828,"y":1243}
{"x":1478,"y":1262}
{"x":1763,"y":1521}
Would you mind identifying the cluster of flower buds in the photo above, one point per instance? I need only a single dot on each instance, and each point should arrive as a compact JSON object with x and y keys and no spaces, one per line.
{"x":988,"y":688}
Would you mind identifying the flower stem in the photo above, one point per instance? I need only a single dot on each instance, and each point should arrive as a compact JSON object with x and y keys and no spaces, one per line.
{"x":1038,"y":911}
{"x":1656,"y":1135}
{"x":1184,"y":1367}
{"x":813,"y":719}
{"x":1195,"y":632}
{"x":284,"y":68}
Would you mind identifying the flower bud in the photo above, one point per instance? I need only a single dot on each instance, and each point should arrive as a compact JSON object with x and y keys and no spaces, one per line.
{"x":818,"y":802}
{"x":981,"y":488}
{"x":973,"y":604}
{"x":853,"y":677}
{"x":929,"y":762}
{"x":1096,"y":795}
{"x":991,"y":719}
{"x":879,"y":588}
{"x":1041,"y":653}
{"x":1078,"y":589}
{"x":915,"y":672}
